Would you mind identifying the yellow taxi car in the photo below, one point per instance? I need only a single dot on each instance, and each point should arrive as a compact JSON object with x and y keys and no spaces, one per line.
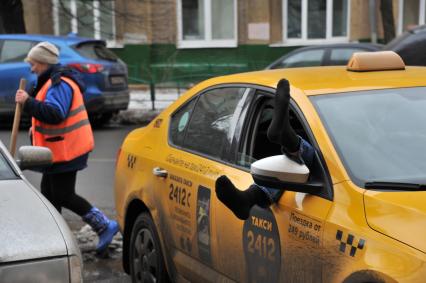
{"x":364,"y":219}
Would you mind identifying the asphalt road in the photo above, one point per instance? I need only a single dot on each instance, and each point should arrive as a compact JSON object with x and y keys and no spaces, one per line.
{"x":95,"y":183}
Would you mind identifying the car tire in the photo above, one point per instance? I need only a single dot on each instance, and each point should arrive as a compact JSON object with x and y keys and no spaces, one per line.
{"x":146,"y":258}
{"x":367,"y":276}
{"x":100,"y":120}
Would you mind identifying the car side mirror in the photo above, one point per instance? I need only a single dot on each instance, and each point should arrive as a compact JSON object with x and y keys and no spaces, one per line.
{"x":281,"y":172}
{"x":34,"y":157}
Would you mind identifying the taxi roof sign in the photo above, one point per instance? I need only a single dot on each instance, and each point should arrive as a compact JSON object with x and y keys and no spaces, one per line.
{"x":375,"y":61}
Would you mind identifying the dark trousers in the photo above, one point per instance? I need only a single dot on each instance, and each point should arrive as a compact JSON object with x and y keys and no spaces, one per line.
{"x":59,"y":189}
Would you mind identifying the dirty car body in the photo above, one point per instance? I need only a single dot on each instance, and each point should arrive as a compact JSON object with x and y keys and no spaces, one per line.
{"x":37,"y":245}
{"x":362,"y":222}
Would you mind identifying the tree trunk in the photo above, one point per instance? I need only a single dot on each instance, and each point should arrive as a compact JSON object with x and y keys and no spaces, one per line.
{"x":386,"y":10}
{"x":12,"y":16}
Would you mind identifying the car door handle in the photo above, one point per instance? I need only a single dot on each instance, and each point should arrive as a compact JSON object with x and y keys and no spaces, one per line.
{"x":159,"y":172}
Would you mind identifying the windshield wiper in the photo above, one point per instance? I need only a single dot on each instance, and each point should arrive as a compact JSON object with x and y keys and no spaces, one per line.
{"x":395,"y":186}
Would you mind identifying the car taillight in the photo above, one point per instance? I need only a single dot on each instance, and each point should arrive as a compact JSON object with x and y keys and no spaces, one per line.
{"x":87,"y":67}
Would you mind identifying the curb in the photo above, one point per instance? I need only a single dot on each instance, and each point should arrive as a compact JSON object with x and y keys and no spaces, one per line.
{"x":140,"y":106}
{"x":136,"y":116}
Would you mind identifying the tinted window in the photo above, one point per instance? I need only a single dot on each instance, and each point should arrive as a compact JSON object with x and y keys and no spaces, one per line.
{"x":341,"y":56}
{"x":95,"y":50}
{"x":14,"y":50}
{"x":208,"y":127}
{"x":5,"y":170}
{"x":179,"y":122}
{"x":302,"y":59}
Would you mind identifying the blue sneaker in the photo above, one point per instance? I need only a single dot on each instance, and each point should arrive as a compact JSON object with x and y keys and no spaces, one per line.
{"x":106,"y":236}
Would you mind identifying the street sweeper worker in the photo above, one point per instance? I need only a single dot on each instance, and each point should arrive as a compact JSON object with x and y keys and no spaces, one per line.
{"x":60,"y":122}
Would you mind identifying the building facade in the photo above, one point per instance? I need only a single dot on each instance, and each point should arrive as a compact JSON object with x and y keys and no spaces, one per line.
{"x":170,"y":40}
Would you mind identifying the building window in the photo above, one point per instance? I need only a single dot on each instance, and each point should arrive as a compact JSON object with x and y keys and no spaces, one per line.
{"x":411,"y":14}
{"x":315,"y":20}
{"x":94,"y":19}
{"x":207,"y":23}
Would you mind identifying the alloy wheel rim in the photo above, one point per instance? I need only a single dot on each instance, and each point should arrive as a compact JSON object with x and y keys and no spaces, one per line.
{"x":145,"y":264}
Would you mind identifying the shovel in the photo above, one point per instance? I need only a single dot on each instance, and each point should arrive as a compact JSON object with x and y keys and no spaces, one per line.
{"x":16,"y":121}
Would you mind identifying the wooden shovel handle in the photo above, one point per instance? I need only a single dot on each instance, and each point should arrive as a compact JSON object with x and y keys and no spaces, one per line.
{"x":16,"y":121}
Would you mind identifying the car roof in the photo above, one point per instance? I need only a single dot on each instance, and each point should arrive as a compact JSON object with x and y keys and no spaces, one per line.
{"x":418,"y":29}
{"x":328,"y":79}
{"x":69,"y":40}
{"x":363,"y":45}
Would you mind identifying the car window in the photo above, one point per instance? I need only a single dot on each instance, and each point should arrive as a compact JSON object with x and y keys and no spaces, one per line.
{"x":254,"y":144}
{"x":95,"y":50}
{"x":379,"y":134}
{"x":5,"y":171}
{"x":341,"y":56}
{"x":211,"y":120}
{"x":257,"y":145}
{"x":179,"y":121}
{"x":14,"y":50}
{"x":302,"y":59}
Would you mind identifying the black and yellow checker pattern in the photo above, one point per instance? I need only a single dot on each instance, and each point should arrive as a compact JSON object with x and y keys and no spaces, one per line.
{"x":131,"y":160}
{"x":349,"y":243}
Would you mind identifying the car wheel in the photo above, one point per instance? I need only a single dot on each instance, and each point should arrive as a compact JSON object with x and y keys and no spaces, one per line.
{"x":99,"y":120}
{"x":146,"y":258}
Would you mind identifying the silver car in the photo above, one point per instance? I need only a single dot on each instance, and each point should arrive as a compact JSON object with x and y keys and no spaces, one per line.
{"x":36,"y":243}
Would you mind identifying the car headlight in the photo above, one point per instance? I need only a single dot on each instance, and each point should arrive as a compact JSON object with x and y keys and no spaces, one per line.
{"x":76,"y":267}
{"x":44,"y":270}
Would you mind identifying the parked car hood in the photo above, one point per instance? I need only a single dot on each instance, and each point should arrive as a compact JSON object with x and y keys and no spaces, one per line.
{"x":398,"y":214}
{"x":28,"y":229}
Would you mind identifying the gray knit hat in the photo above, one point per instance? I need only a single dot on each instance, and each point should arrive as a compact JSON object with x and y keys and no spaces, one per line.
{"x":43,"y":52}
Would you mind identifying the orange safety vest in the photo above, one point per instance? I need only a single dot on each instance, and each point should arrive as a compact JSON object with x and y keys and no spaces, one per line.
{"x":71,"y":138}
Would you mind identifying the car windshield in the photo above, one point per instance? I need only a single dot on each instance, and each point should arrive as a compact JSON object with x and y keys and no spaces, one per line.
{"x":6,"y":171}
{"x":95,"y":50}
{"x":380,"y":135}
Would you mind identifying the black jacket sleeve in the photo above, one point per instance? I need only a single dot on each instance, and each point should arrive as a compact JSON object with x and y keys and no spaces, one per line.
{"x":43,"y":112}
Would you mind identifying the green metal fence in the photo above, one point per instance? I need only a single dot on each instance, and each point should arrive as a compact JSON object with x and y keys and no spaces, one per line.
{"x":163,"y":65}
{"x":182,"y":75}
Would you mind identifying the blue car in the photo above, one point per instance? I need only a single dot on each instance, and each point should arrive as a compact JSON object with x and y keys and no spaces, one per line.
{"x":104,"y":74}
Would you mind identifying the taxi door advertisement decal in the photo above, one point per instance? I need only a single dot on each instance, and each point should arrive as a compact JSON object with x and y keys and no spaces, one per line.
{"x":180,"y":198}
{"x":305,"y":229}
{"x":203,"y":223}
{"x":262,"y":248}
